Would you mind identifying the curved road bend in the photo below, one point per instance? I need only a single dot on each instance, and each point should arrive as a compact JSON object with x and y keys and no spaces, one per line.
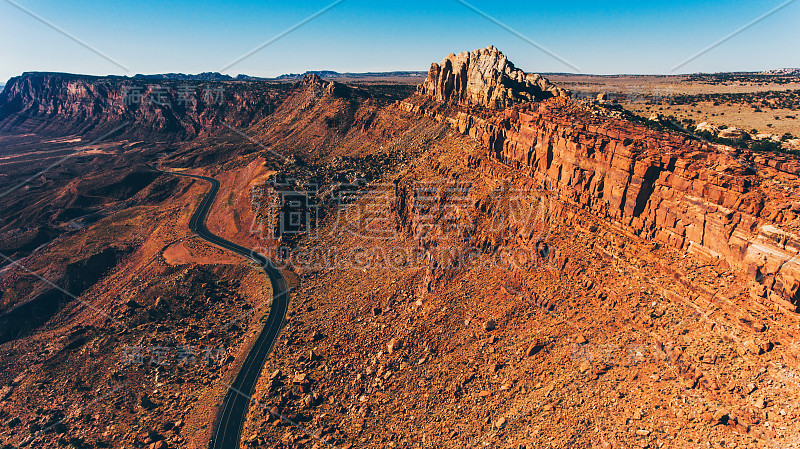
{"x":234,"y":407}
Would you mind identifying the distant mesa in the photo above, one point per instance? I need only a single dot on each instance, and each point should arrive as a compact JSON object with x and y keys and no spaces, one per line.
{"x":300,"y":76}
{"x":205,"y":76}
{"x":330,"y":75}
{"x":485,"y":77}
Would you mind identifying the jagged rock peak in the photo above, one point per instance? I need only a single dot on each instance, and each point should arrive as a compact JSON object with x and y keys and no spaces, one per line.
{"x":485,"y":77}
{"x":312,"y":81}
{"x":311,"y":78}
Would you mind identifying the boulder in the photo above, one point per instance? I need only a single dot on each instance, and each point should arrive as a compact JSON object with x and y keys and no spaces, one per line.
{"x":705,"y":126}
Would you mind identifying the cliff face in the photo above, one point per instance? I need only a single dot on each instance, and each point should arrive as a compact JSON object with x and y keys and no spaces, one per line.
{"x":55,"y":103}
{"x":485,"y":77}
{"x":724,"y":207}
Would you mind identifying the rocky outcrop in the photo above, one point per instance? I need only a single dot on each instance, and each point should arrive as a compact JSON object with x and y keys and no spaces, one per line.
{"x":720,"y":205}
{"x":734,"y":133}
{"x":314,"y":82}
{"x":485,"y":78}
{"x":707,"y":127}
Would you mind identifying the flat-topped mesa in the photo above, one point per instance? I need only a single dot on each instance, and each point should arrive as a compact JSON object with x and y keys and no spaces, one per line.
{"x":485,"y":77}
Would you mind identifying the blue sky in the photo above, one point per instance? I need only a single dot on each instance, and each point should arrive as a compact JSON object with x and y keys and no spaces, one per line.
{"x":603,"y":37}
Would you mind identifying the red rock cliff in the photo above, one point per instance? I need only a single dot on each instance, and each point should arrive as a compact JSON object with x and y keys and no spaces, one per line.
{"x":62,"y":104}
{"x":720,"y":205}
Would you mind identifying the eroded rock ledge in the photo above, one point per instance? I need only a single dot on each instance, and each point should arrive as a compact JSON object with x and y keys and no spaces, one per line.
{"x":722,"y":206}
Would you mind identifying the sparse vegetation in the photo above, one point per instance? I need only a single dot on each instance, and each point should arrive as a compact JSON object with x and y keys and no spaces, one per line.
{"x":146,"y":403}
{"x":765,"y":145}
{"x":742,"y":77}
{"x":775,"y":99}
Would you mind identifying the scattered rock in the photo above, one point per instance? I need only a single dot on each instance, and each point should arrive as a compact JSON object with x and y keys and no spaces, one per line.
{"x":394,"y":344}
{"x":5,"y":392}
{"x":751,"y":347}
{"x":534,"y":348}
{"x":720,"y":416}
{"x":300,"y":378}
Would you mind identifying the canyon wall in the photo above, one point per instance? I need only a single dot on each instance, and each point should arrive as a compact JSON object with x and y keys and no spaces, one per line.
{"x":719,"y":205}
{"x":61,"y":104}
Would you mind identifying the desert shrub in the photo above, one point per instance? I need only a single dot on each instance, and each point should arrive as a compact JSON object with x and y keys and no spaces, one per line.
{"x":765,"y":145}
{"x":154,"y":436}
{"x":706,"y":135}
{"x":146,"y":403}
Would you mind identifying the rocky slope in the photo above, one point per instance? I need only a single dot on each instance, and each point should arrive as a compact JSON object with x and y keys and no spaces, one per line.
{"x":485,"y":77}
{"x":600,"y":339}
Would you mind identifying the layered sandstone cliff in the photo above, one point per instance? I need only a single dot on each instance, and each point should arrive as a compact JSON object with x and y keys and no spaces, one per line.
{"x":59,"y":104}
{"x":485,"y":77}
{"x":722,"y":205}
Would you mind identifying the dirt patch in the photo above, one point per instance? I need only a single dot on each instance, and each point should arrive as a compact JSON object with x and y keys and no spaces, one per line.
{"x":191,"y":251}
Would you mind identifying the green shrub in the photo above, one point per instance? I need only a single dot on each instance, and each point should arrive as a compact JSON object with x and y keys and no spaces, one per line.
{"x":765,"y":145}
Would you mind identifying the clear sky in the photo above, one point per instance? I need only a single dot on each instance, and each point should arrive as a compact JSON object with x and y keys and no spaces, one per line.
{"x":602,"y":37}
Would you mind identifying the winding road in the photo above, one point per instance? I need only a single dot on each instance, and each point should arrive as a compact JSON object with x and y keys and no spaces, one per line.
{"x":237,"y":400}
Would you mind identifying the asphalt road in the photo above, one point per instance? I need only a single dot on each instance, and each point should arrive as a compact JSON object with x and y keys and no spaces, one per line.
{"x":231,"y":417}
